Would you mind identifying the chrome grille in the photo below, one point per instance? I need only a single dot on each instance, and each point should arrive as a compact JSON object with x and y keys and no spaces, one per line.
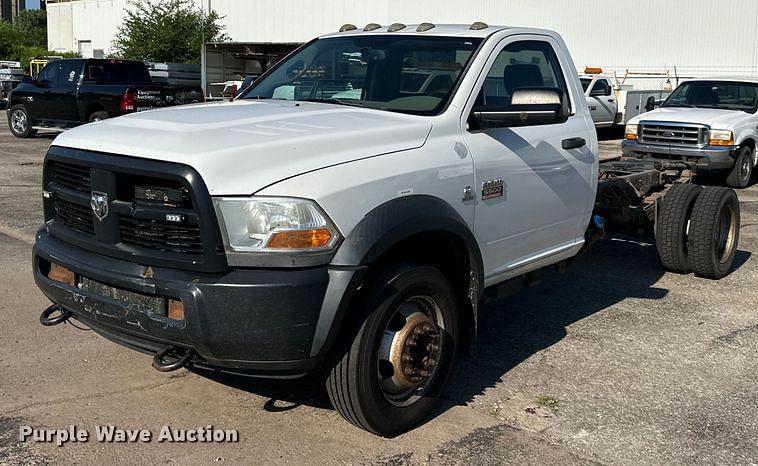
{"x":673,"y":134}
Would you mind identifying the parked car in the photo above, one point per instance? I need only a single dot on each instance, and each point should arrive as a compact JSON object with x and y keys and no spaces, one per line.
{"x":710,"y":123}
{"x":69,"y":92}
{"x":290,"y":231}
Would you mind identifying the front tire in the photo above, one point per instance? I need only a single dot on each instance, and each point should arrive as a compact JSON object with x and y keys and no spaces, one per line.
{"x":742,"y":171}
{"x":714,"y":232}
{"x":20,"y":122}
{"x":387,"y":378}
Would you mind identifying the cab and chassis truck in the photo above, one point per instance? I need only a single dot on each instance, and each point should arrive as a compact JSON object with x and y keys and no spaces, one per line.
{"x":357,"y":236}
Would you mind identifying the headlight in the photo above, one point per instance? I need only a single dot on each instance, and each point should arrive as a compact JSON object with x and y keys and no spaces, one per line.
{"x":721,"y":137}
{"x":630,"y":132}
{"x":274,"y":224}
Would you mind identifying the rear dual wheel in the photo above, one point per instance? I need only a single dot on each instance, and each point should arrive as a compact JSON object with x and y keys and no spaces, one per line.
{"x":697,"y":230}
{"x":387,"y":378}
{"x":714,"y":232}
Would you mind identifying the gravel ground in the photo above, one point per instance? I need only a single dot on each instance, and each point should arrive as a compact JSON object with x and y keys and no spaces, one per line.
{"x":613,"y":362}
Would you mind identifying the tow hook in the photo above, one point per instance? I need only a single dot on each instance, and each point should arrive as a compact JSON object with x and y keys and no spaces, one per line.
{"x":63,"y":315}
{"x":182,"y":357}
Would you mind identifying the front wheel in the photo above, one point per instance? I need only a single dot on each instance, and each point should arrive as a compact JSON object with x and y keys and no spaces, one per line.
{"x":742,"y":171}
{"x":20,"y":122}
{"x":388,"y":377}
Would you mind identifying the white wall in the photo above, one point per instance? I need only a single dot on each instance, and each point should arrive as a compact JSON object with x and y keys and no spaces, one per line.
{"x":696,"y":36}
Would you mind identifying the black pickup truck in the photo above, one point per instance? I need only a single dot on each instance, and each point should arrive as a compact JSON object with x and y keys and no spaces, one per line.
{"x":70,"y":92}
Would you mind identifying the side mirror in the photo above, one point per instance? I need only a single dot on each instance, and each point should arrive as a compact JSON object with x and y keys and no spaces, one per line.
{"x":531,"y":106}
{"x":651,"y":103}
{"x":606,"y":90}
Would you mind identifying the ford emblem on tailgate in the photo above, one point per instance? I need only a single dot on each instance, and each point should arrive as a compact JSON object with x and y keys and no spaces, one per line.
{"x":99,"y":204}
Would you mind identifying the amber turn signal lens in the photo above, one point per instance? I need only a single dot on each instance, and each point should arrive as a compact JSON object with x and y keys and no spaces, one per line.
{"x":300,"y":239}
{"x":631,"y":136}
{"x":722,"y":142}
{"x":175,"y":309}
{"x":61,"y":274}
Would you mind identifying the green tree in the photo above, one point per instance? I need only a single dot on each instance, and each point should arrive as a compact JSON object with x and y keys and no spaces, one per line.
{"x":166,"y":31}
{"x":32,"y":28}
{"x":10,"y":42}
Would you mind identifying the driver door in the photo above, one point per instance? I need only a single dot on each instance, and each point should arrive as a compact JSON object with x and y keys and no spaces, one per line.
{"x":40,"y":99}
{"x":548,"y":172}
{"x":602,"y":103}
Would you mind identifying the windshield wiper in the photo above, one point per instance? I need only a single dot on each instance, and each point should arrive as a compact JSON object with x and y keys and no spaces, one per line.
{"x":681,"y":105}
{"x":332,"y":101}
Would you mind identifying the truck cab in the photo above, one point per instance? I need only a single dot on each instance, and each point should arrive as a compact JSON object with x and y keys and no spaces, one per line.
{"x":333,"y":215}
{"x":601,"y":99}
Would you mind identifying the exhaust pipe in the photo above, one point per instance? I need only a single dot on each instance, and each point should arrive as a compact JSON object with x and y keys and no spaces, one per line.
{"x":63,"y":315}
{"x":183,"y":357}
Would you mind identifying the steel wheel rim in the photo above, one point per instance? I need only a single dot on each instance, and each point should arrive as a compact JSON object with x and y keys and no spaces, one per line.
{"x":19,"y":121}
{"x":407,"y":347}
{"x":746,"y":165}
{"x":725,"y":233}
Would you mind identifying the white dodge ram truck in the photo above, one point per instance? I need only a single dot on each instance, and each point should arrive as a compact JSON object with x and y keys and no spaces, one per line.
{"x":292,"y":230}
{"x":709,"y":123}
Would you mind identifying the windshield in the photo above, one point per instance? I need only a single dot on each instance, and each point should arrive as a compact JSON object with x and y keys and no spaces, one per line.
{"x":397,"y":73}
{"x":585,"y":83}
{"x":727,"y":95}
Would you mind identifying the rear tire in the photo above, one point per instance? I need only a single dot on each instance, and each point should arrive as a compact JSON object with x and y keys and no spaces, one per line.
{"x":742,"y":171}
{"x":671,"y":226}
{"x":20,"y":122}
{"x":380,"y":382}
{"x":714,"y":232}
{"x":97,"y":116}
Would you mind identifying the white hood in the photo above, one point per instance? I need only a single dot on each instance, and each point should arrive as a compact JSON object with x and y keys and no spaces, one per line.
{"x":241,"y":147}
{"x":715,"y":118}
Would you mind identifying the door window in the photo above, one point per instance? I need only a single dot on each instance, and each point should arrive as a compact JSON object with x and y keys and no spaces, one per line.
{"x":68,"y":73}
{"x":600,"y":88}
{"x":49,"y":73}
{"x":523,"y":64}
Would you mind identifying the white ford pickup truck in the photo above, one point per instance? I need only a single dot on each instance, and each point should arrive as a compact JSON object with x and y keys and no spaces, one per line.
{"x":351,"y":210}
{"x":709,"y":123}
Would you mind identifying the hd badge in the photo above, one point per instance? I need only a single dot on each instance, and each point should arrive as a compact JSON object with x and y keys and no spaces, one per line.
{"x":492,"y":189}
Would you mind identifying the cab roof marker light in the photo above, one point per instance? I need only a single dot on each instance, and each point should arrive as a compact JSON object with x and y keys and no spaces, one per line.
{"x":348,"y":27}
{"x":372,"y":27}
{"x":423,"y":27}
{"x":396,"y":27}
{"x":478,"y":25}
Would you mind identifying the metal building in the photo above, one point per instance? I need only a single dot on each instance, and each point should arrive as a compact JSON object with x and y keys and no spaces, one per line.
{"x":646,"y":37}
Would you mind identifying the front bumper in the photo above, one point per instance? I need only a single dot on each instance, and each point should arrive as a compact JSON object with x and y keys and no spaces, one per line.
{"x":261,"y":322}
{"x":706,"y":158}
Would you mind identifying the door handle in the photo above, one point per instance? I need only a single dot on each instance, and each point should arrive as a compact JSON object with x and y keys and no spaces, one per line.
{"x":611,"y":100}
{"x":573,"y":143}
{"x":592,"y":107}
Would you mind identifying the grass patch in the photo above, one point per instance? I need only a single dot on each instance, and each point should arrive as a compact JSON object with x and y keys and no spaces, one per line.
{"x":548,"y":402}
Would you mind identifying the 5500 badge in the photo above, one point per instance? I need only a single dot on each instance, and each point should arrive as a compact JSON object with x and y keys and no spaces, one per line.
{"x":492,"y":189}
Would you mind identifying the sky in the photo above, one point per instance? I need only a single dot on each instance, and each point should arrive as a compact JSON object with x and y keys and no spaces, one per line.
{"x":32,"y":4}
